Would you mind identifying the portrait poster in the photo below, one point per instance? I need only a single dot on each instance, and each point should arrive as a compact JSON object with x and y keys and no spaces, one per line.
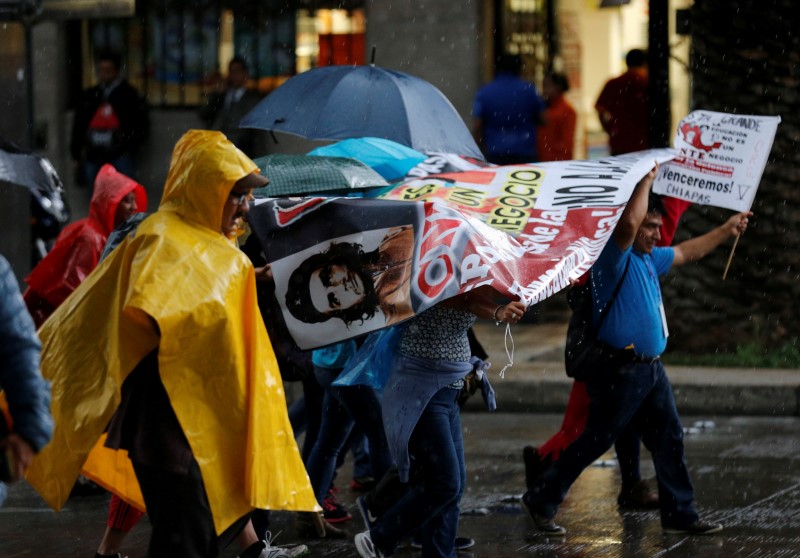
{"x":720,"y":159}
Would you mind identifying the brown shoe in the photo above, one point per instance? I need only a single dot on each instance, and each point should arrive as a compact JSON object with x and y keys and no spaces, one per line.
{"x":638,"y":496}
{"x":313,"y":525}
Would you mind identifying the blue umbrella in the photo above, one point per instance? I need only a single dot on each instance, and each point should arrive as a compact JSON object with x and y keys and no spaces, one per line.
{"x":341,"y":102}
{"x":388,"y":158}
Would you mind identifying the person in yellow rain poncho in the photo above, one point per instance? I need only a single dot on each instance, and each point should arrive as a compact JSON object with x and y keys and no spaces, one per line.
{"x":166,"y":336}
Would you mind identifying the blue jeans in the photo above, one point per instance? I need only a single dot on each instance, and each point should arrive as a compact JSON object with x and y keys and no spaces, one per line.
{"x":342,"y":406}
{"x":639,"y":394}
{"x":628,"y":455}
{"x":431,"y":506}
{"x":359,"y":447}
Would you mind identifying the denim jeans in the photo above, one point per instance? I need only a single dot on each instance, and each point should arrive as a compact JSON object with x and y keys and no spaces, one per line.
{"x":628,"y":451}
{"x":431,"y":506}
{"x":639,"y":394}
{"x":305,"y":414}
{"x":341,"y":406}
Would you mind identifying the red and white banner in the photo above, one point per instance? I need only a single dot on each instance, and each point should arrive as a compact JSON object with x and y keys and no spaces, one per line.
{"x":344,"y":266}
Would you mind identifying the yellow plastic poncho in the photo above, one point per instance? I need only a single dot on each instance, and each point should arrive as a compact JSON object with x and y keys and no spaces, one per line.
{"x":180,"y":273}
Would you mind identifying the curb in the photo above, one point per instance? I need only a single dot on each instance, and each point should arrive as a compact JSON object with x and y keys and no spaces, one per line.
{"x":697,"y":391}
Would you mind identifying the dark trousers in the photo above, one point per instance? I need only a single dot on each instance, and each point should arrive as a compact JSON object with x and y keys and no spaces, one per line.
{"x":179,"y":512}
{"x":637,"y":394}
{"x":342,"y":407}
{"x":431,"y":506}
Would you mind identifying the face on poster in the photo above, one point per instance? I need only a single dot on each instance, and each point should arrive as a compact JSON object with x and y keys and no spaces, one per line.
{"x":345,"y":286}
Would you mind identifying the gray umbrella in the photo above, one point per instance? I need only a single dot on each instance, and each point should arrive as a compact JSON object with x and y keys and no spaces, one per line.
{"x":27,"y":169}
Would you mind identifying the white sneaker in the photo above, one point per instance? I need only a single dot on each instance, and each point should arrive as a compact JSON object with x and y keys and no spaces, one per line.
{"x":365,"y":547}
{"x":282,"y":551}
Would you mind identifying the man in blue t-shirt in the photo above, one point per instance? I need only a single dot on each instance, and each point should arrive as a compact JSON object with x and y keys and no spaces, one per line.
{"x":636,"y":391}
{"x":507,"y":112}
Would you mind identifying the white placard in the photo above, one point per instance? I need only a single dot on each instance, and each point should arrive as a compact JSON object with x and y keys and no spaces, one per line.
{"x":720,"y":160}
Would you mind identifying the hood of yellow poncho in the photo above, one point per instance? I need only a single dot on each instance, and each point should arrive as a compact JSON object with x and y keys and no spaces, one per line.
{"x":208,"y":162}
{"x":179,"y":285}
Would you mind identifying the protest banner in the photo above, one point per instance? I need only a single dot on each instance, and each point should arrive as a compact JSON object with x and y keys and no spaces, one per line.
{"x":720,"y":159}
{"x":343,"y":267}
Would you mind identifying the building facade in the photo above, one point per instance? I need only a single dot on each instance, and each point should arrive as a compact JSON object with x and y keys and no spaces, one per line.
{"x":174,"y":51}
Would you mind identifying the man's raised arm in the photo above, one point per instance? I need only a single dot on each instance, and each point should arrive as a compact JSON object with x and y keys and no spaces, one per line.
{"x":695,"y":248}
{"x":635,"y":212}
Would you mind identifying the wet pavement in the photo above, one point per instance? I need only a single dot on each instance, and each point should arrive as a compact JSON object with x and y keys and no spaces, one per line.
{"x":746,"y":472}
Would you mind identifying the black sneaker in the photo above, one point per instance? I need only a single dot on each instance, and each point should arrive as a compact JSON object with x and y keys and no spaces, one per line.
{"x":696,"y":528}
{"x":462,"y":543}
{"x":333,"y":511}
{"x":544,"y":524}
{"x":366,"y":514}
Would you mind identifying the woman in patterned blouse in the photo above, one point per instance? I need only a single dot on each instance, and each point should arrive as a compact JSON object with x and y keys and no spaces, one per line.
{"x":423,"y":424}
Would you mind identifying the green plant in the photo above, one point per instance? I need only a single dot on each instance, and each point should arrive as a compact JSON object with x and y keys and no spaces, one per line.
{"x":748,"y":355}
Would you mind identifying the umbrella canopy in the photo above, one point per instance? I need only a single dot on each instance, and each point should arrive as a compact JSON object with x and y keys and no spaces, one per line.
{"x":388,"y":158}
{"x":27,"y":169}
{"x":341,"y":102}
{"x":299,"y":175}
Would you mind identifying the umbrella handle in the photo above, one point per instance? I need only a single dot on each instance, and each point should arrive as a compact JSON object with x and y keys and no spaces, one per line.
{"x":372,"y":56}
{"x":272,"y":131}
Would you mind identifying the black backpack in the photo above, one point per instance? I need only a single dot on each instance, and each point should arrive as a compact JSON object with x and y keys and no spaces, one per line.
{"x":584,"y":354}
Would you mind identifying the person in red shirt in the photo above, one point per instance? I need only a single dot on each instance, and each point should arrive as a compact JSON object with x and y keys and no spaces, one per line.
{"x":623,"y":106}
{"x":557,"y":136}
{"x":111,"y":122}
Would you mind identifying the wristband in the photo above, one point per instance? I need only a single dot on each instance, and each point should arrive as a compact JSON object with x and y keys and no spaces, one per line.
{"x":494,"y":315}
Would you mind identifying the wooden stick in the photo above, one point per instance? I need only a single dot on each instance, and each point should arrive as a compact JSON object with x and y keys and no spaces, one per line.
{"x":730,"y":257}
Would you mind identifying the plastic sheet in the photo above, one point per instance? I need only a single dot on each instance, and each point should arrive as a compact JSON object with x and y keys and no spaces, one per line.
{"x":178,"y":284}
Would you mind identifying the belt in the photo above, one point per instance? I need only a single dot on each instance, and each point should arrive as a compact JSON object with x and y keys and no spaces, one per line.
{"x":642,"y":359}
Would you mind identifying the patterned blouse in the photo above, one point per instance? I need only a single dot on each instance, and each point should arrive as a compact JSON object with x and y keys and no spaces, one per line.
{"x":438,"y":333}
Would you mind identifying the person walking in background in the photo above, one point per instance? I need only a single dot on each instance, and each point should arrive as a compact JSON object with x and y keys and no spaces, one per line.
{"x":507,"y":112}
{"x":635,"y":389}
{"x":110,"y":123}
{"x":623,"y":106}
{"x":343,"y":408}
{"x":26,"y":392}
{"x":556,"y":140}
{"x":231,"y":101}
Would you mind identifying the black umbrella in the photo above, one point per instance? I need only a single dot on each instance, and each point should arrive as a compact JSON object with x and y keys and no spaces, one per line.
{"x":342,"y":102}
{"x":49,"y":212}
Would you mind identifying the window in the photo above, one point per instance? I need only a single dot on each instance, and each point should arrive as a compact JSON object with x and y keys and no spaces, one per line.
{"x":175,"y":51}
